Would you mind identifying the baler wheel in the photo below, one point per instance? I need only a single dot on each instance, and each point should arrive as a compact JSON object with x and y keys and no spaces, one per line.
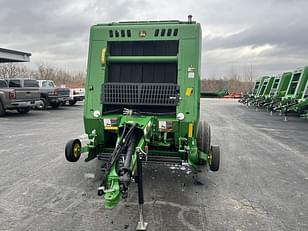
{"x":204,"y":139}
{"x":72,"y":150}
{"x":214,"y":158}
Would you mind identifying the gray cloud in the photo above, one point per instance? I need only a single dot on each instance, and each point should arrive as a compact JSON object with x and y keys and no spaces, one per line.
{"x":271,"y":35}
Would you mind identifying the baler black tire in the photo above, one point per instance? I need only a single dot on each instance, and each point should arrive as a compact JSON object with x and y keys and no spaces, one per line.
{"x":215,"y":158}
{"x":204,"y":138}
{"x":72,"y":150}
{"x":2,"y":110}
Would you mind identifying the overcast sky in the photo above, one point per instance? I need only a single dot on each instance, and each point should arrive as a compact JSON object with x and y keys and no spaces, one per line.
{"x":269,"y":35}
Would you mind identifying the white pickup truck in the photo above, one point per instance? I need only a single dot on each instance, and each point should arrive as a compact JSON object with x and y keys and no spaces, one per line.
{"x":76,"y":94}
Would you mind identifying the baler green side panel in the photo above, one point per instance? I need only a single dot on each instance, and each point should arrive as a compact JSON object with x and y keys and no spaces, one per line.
{"x":300,"y":84}
{"x":95,"y":78}
{"x":269,"y":86}
{"x":261,"y":86}
{"x":283,"y":85}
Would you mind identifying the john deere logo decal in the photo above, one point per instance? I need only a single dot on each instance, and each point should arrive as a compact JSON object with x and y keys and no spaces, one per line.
{"x":142,"y":34}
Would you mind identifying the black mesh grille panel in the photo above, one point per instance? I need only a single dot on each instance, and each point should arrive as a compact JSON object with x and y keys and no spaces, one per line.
{"x":140,"y":94}
{"x":142,"y":72}
{"x":137,"y":48}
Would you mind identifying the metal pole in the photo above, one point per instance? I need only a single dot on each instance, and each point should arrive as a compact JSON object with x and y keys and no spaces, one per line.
{"x":141,"y":224}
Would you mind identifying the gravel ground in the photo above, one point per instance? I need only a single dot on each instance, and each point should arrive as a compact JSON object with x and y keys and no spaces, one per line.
{"x":262,"y":183}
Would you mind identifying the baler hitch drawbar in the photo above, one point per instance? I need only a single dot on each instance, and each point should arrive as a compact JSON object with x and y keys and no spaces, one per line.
{"x":127,"y":142}
{"x":131,"y":136}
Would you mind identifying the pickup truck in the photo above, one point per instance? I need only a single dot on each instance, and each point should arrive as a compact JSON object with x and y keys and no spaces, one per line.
{"x":52,"y":95}
{"x":76,"y":94}
{"x":18,"y":94}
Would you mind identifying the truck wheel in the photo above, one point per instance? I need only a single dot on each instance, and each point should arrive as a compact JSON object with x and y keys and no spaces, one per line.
{"x":72,"y":150}
{"x":23,"y":110}
{"x":214,"y":158}
{"x":43,"y":105}
{"x":55,"y":105}
{"x":2,"y":110}
{"x":204,"y":138}
{"x":72,"y":102}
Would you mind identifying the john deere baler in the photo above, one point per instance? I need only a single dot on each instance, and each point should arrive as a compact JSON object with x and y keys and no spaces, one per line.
{"x":143,"y":102}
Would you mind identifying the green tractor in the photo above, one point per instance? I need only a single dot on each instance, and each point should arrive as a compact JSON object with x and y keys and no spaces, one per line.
{"x":142,"y":103}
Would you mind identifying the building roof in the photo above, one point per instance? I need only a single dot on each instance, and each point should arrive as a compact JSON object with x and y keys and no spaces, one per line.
{"x":7,"y":56}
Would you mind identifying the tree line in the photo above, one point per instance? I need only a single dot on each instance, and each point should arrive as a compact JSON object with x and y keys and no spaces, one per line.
{"x":234,"y":82}
{"x":43,"y":71}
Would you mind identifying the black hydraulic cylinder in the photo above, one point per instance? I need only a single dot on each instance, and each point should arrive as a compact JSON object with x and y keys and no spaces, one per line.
{"x":140,"y":179}
{"x":130,"y":151}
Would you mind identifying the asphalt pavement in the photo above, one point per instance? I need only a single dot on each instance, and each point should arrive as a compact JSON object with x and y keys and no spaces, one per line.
{"x":262,"y":183}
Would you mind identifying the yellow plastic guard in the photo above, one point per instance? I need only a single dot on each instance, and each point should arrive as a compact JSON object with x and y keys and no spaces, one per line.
{"x":103,"y":57}
{"x":190,"y":130}
{"x":188,"y":91}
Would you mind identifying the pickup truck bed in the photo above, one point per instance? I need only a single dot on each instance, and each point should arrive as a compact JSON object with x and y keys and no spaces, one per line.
{"x":18,"y":94}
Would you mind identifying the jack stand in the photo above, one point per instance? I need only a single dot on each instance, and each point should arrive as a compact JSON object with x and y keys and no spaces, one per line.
{"x":141,"y":224}
{"x":286,"y":114}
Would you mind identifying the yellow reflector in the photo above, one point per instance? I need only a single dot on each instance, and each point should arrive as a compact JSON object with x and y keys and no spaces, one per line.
{"x":111,"y":128}
{"x":103,"y":57}
{"x":188,"y":91}
{"x":190,"y":130}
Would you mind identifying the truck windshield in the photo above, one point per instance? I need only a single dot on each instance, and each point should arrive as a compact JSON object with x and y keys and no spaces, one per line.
{"x":51,"y":84}
{"x":30,"y":83}
{"x":14,"y":83}
{"x":3,"y":83}
{"x":48,"y":84}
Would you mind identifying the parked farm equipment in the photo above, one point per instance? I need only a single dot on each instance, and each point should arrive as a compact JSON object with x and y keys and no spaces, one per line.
{"x":278,"y":91}
{"x":264,"y":92}
{"x":214,"y":94}
{"x":295,"y":100}
{"x":250,"y":97}
{"x":143,"y":103}
{"x":284,"y":93}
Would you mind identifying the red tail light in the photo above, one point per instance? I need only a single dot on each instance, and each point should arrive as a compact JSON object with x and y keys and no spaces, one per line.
{"x":12,"y":94}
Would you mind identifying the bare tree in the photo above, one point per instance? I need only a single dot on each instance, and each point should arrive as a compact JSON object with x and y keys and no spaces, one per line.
{"x":10,"y":70}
